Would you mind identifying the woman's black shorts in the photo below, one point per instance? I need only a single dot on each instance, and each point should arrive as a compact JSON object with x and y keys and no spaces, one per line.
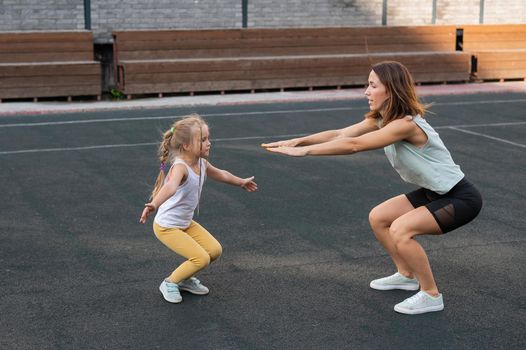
{"x":453,"y":209}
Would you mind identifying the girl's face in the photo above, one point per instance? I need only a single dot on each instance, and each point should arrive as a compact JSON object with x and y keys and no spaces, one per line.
{"x":201,"y":144}
{"x":376,"y":92}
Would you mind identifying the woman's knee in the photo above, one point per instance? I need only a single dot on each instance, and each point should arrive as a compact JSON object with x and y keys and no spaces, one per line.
{"x":376,"y":217}
{"x":400,"y":233}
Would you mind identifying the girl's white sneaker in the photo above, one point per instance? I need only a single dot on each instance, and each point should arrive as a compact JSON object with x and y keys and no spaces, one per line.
{"x":194,"y":286}
{"x":170,"y":292}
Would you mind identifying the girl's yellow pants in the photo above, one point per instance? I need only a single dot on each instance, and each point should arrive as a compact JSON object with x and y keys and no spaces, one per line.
{"x":194,"y":243}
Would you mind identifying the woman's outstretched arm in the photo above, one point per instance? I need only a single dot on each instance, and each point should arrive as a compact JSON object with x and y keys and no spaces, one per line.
{"x":363,"y":127}
{"x":396,"y":131}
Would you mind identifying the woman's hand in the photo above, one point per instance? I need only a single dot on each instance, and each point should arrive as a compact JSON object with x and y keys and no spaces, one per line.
{"x":283,"y":143}
{"x":148,"y":209}
{"x":288,"y":147}
{"x":290,"y":151}
{"x":249,"y":185}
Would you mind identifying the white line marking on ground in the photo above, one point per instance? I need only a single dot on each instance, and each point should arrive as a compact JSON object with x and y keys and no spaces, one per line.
{"x":480,"y":125}
{"x":39,"y":150}
{"x":487,"y":136}
{"x":485,"y":102}
{"x":88,"y":121}
{"x":64,"y":149}
{"x":453,"y":127}
{"x":111,"y":120}
{"x":42,"y":150}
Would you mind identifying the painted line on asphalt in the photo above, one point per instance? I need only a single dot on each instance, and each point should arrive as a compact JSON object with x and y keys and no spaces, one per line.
{"x":234,"y":114}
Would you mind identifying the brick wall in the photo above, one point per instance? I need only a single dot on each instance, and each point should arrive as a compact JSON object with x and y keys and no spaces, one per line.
{"x":141,"y":14}
{"x":136,"y":14}
{"x":409,"y":12}
{"x":458,"y":12}
{"x":315,"y":13}
{"x":499,"y":11}
{"x":41,"y":15}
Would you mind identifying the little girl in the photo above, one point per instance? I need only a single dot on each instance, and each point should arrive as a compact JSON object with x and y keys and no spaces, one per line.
{"x":175,"y":197}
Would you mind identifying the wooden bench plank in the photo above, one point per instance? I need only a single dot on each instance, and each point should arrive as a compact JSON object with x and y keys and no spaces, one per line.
{"x":427,"y":68}
{"x":51,"y":46}
{"x":493,"y":28}
{"x":280,"y":51}
{"x":503,"y":64}
{"x":498,"y":45}
{"x":499,"y":50}
{"x":53,"y":91}
{"x":42,"y":81}
{"x":205,"y":65}
{"x":48,"y":63}
{"x":228,"y":53}
{"x":201,"y":60}
{"x":296,"y":41}
{"x":348,"y":39}
{"x":49,"y":68}
{"x":45,"y":36}
{"x":231,"y":85}
{"x":46,"y":57}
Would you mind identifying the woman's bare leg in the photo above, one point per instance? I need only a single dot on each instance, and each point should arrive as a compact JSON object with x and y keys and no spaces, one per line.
{"x":381,"y":217}
{"x":402,"y":231}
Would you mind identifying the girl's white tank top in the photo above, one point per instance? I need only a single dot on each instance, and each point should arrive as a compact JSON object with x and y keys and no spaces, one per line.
{"x":178,"y":210}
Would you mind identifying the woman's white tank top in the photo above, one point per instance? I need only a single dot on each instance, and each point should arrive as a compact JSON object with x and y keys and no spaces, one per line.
{"x":178,"y":210}
{"x":430,"y":167}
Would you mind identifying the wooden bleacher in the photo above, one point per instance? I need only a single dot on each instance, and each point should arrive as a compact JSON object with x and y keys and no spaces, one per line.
{"x":499,"y":50}
{"x":163,"y":61}
{"x":48,"y":64}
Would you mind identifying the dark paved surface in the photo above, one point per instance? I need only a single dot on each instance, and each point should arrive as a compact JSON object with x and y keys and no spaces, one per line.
{"x":79,"y":272}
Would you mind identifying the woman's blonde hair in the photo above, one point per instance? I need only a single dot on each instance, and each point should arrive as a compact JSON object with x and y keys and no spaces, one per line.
{"x":400,"y":88}
{"x":181,"y":133}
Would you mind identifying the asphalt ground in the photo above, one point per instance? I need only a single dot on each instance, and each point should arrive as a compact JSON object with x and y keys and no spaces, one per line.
{"x":79,"y":272}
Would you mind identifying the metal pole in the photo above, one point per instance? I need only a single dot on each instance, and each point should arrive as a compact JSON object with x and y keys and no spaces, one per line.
{"x":87,"y":14}
{"x":481,"y":13}
{"x":244,"y":9}
{"x":384,"y":13}
{"x":434,"y":13}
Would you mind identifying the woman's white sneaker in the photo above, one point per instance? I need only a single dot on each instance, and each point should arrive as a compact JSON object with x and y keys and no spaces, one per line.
{"x":396,"y":281}
{"x":194,"y":286}
{"x":420,"y":303}
{"x":170,"y":292}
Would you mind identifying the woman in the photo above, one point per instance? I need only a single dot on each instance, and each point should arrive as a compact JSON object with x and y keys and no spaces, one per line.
{"x":444,"y":201}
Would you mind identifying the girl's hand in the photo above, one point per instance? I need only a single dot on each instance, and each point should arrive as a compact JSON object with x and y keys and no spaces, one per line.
{"x":249,"y":185}
{"x":283,"y":143}
{"x":290,"y":151}
{"x":148,"y":209}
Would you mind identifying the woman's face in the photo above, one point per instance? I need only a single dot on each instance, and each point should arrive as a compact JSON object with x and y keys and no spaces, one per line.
{"x":376,"y":92}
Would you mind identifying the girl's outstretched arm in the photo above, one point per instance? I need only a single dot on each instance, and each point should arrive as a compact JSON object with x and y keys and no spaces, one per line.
{"x":175,"y":177}
{"x":363,"y":127}
{"x":224,"y":176}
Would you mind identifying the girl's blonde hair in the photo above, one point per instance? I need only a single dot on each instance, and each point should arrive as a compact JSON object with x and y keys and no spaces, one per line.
{"x":181,"y":133}
{"x":400,"y":88}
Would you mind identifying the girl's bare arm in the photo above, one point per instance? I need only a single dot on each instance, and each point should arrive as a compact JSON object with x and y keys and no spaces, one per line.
{"x":227,"y":177}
